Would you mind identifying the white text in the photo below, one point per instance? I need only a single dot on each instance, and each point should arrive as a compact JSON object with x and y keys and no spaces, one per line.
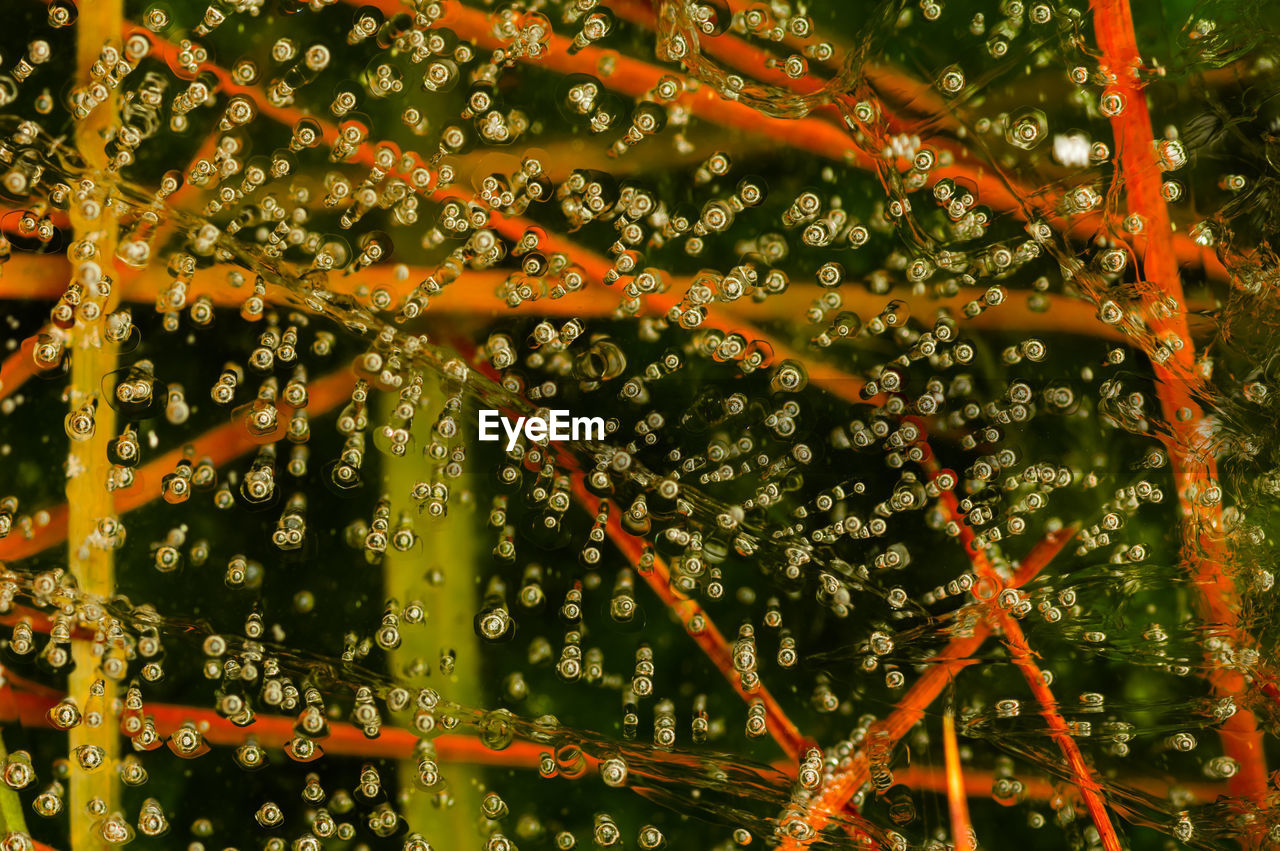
{"x":557,"y":426}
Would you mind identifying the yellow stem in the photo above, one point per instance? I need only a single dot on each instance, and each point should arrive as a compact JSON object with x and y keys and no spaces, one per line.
{"x":447,"y":545}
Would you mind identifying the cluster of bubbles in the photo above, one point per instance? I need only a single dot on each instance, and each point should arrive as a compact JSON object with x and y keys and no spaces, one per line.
{"x":862,"y":309}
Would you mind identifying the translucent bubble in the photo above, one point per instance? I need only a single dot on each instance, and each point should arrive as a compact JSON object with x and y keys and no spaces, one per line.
{"x":789,"y":377}
{"x":951,"y":80}
{"x":613,"y":772}
{"x":1027,"y":128}
{"x":1112,"y":104}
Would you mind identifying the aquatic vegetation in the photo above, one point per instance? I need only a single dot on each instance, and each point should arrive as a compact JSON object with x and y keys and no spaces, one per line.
{"x":933,"y":344}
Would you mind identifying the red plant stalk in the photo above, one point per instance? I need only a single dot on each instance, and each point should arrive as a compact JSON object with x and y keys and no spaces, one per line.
{"x":1194,"y":467}
{"x":513,"y":227}
{"x":18,"y":367}
{"x":813,"y":134}
{"x":40,"y":622}
{"x":275,"y":731}
{"x":836,"y":793}
{"x":708,"y":637}
{"x":705,"y":633}
{"x":27,"y":701}
{"x":221,"y":445}
{"x":962,"y":834}
{"x":1024,"y":659}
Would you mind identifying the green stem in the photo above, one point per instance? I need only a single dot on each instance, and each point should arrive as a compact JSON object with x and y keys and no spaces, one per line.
{"x":448,"y":544}
{"x":12,"y":819}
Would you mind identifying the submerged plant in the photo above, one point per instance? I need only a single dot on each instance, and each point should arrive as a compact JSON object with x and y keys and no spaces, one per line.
{"x":934,"y":344}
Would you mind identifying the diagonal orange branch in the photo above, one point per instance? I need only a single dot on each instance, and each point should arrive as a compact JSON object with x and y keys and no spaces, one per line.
{"x":18,"y":367}
{"x":221,"y":445}
{"x":706,"y":635}
{"x":1024,"y":659}
{"x":837,"y":792}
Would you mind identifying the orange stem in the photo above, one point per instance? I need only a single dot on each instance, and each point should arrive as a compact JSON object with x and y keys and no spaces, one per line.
{"x":27,"y":702}
{"x":812,"y":134}
{"x":18,"y":367}
{"x":275,"y":731}
{"x":961,"y":827}
{"x":221,"y":445}
{"x":1066,"y":314}
{"x":167,"y":51}
{"x":977,"y":784}
{"x":1024,"y":659}
{"x":708,"y":637}
{"x":835,"y":795}
{"x":44,"y":277}
{"x":34,"y":276}
{"x":1194,"y":467}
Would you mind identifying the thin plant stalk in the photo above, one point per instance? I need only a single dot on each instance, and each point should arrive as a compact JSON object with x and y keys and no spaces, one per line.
{"x":699,"y":625}
{"x":957,"y":800}
{"x":1204,"y":552}
{"x":835,"y":795}
{"x":220,"y":445}
{"x":88,"y":497}
{"x":447,"y":544}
